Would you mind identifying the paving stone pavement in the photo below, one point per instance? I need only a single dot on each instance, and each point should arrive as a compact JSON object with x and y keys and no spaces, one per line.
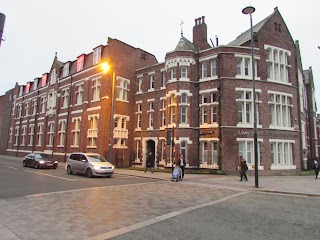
{"x":86,"y":213}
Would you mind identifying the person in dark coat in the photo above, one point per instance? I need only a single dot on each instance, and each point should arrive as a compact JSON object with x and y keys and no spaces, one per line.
{"x":182,"y":164}
{"x":149,"y":162}
{"x":243,"y":170}
{"x":316,"y":168}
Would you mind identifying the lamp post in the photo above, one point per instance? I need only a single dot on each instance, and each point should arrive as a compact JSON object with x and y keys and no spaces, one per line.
{"x":106,"y":66}
{"x":249,"y":10}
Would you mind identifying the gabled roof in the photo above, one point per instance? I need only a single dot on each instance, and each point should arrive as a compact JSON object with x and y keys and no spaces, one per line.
{"x":185,"y":45}
{"x":246,"y":36}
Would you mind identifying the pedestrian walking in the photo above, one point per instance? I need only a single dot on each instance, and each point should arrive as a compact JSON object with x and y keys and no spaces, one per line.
{"x":243,"y":169}
{"x":182,"y":164}
{"x":149,"y":162}
{"x":316,"y":167}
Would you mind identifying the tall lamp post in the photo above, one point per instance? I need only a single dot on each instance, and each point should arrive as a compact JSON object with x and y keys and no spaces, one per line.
{"x":106,"y":66}
{"x":249,"y":10}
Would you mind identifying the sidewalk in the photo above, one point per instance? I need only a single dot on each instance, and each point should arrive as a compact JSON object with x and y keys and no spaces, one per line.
{"x":297,"y":185}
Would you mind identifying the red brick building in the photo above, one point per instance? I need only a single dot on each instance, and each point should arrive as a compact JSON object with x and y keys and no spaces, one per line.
{"x":202,"y":95}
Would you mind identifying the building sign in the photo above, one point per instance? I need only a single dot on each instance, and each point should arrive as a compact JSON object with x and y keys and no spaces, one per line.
{"x":269,"y":133}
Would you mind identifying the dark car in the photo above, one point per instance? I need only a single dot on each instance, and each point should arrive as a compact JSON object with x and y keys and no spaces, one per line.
{"x":39,"y":160}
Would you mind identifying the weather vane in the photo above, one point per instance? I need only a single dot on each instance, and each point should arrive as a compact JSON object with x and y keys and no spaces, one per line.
{"x":181,"y":28}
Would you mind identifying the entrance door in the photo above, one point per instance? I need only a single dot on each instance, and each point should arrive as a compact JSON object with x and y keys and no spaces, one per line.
{"x":151,"y":148}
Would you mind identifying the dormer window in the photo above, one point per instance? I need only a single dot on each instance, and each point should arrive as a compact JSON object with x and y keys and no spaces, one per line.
{"x":96,"y":55}
{"x":35,"y":84}
{"x":53,"y":76}
{"x":80,"y":62}
{"x":44,"y":80}
{"x":65,"y":69}
{"x":28,"y":87}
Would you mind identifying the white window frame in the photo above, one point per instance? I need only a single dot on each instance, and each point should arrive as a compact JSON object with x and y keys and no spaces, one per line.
{"x":40,"y":134}
{"x":43,"y":100}
{"x":34,"y":107}
{"x":247,"y":111}
{"x":204,"y":70}
{"x":10,"y":135}
{"x":95,"y":89}
{"x":244,"y":66}
{"x":92,"y":134}
{"x":184,"y":72}
{"x":50,"y":133}
{"x":277,"y":64}
{"x":164,"y":80}
{"x":16,"y":135}
{"x":150,"y":114}
{"x":280,"y":107}
{"x":62,"y":132}
{"x":139,"y":114}
{"x":163,"y":111}
{"x":246,"y":150}
{"x":213,"y":67}
{"x":26,"y":108}
{"x":23,"y":135}
{"x":172,"y":109}
{"x":76,"y":131}
{"x":65,"y":98}
{"x":122,"y":89}
{"x":66,"y":69}
{"x":96,"y":55}
{"x":31,"y":134}
{"x":282,"y":154}
{"x":79,"y":94}
{"x":120,"y":131}
{"x":140,"y":85}
{"x":151,"y":83}
{"x":53,"y":78}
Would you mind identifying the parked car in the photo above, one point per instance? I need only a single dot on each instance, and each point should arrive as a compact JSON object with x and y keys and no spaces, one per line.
{"x":90,"y":164}
{"x":39,"y":160}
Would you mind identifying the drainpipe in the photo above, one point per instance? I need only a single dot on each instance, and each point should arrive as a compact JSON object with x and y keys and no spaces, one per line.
{"x":67,"y":122}
{"x":198,"y":110}
{"x":35,"y":132}
{"x":220,"y":111}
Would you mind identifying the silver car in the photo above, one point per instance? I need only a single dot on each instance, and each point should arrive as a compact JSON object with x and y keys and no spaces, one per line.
{"x":90,"y":164}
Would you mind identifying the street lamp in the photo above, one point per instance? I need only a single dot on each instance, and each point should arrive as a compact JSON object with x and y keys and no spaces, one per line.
{"x":249,"y":10}
{"x":106,"y":67}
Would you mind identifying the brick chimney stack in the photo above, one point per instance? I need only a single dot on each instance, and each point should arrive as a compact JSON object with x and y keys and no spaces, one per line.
{"x":200,"y":34}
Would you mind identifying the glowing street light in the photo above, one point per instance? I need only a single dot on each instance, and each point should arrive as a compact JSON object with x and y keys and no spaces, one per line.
{"x":249,"y":10}
{"x":106,"y":67}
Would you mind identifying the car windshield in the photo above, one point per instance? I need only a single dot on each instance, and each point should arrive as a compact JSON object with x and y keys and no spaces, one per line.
{"x":96,"y":158}
{"x":41,"y":156}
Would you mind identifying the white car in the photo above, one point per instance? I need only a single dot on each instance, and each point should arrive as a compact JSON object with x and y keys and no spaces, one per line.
{"x":90,"y":164}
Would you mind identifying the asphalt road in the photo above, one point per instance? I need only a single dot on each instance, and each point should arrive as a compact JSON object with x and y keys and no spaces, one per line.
{"x":19,"y":181}
{"x":250,"y":216}
{"x":130,"y":207}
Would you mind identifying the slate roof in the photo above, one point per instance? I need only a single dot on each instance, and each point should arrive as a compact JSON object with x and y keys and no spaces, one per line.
{"x":246,"y":36}
{"x":185,"y":45}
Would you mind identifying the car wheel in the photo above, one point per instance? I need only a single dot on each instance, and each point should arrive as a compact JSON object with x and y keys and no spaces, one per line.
{"x":89,"y":173}
{"x":109,"y":176}
{"x":55,"y":166}
{"x":36,"y":165}
{"x":69,"y":171}
{"x":24,"y":163}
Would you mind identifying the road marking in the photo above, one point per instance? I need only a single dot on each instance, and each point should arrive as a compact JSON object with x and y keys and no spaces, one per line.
{"x":72,"y":180}
{"x":82,"y":189}
{"x":10,"y":167}
{"x":143,"y":224}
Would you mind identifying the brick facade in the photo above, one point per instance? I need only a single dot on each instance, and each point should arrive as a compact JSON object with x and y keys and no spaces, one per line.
{"x":201,"y":94}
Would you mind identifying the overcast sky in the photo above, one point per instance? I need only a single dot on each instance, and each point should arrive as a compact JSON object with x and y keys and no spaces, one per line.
{"x":36,"y":29}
